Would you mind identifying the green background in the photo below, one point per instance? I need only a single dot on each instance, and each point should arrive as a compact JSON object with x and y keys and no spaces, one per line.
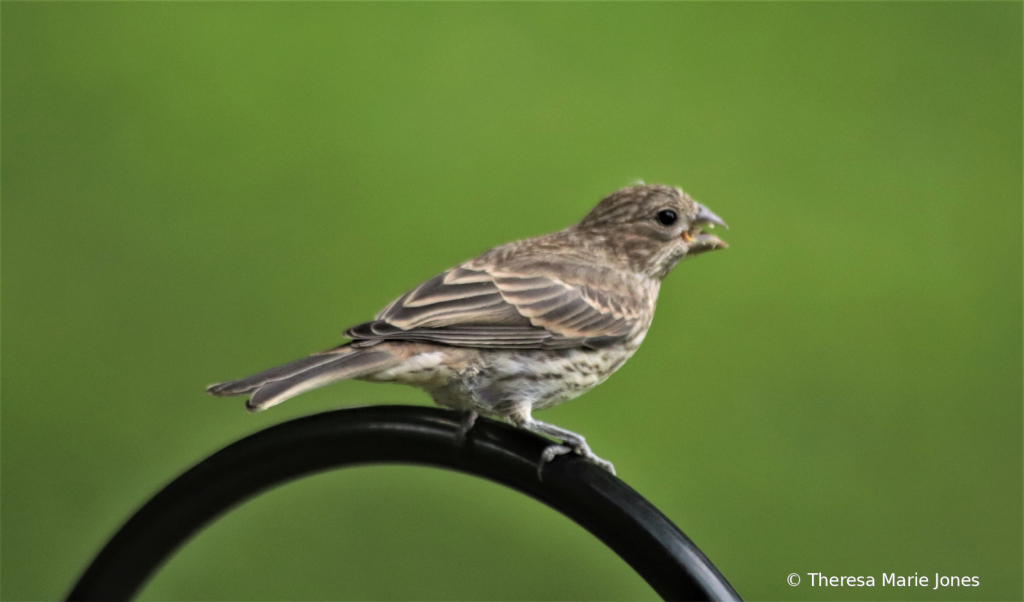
{"x":194,"y":192}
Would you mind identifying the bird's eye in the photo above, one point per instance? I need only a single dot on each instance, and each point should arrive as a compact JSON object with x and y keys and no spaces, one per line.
{"x":667,"y":217}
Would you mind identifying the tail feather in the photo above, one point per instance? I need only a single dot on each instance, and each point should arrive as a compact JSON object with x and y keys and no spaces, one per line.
{"x":273,"y":386}
{"x":251,"y":383}
{"x":352,"y":365}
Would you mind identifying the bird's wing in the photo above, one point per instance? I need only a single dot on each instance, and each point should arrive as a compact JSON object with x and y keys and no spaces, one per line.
{"x":484,"y":306}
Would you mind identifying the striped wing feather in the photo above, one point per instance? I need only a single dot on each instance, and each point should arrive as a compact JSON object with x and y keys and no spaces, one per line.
{"x":482,"y":307}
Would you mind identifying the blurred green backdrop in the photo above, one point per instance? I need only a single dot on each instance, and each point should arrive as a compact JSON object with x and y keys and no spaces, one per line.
{"x":193,"y":192}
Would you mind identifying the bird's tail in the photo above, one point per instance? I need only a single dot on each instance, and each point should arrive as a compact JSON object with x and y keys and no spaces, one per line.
{"x":271,"y":387}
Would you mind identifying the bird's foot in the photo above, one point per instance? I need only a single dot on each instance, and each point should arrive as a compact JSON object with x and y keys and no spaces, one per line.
{"x":571,"y":442}
{"x":605,"y":464}
{"x":550,"y":453}
{"x":553,"y":451}
{"x":584,"y":450}
{"x":468,"y":420}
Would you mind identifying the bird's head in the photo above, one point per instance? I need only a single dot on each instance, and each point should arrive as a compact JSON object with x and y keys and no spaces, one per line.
{"x":649,"y":228}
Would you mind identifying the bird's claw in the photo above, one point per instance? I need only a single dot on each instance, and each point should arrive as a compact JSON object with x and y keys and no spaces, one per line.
{"x":549,"y":454}
{"x":468,"y":420}
{"x":584,"y":450}
{"x":605,"y":464}
{"x":554,"y":450}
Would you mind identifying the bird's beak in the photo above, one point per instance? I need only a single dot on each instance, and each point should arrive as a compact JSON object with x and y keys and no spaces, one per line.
{"x":699,"y":241}
{"x":705,"y":216}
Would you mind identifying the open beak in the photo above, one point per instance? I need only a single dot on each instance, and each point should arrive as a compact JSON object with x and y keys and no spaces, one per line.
{"x":699,"y":241}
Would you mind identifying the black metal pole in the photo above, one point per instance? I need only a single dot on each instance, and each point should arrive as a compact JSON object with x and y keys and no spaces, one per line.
{"x":599,"y":502}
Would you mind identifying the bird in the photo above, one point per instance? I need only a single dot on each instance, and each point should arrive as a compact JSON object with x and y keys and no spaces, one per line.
{"x":522,"y":327}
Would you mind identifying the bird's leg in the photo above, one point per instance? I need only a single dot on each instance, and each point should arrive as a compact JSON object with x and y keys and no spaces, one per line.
{"x":520,"y":416}
{"x":573,"y":443}
{"x":468,"y":420}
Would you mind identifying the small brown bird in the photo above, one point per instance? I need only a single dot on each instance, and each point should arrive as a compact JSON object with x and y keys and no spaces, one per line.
{"x":523,"y":327}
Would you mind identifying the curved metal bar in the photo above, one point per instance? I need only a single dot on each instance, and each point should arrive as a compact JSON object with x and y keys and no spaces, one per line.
{"x":596,"y":500}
